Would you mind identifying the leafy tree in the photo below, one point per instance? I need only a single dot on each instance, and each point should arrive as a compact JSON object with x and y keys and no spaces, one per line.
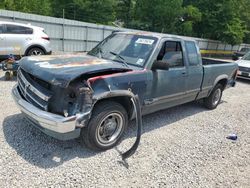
{"x":65,"y":8}
{"x":191,"y":15}
{"x":29,"y":6}
{"x":157,"y":15}
{"x":234,"y":32}
{"x":244,"y":7}
{"x":124,"y":11}
{"x":226,"y":20}
{"x":220,"y":20}
{"x":97,"y":11}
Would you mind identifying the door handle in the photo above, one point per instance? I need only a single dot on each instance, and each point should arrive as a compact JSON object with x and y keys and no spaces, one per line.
{"x":1,"y":38}
{"x":28,"y":38}
{"x":184,"y":73}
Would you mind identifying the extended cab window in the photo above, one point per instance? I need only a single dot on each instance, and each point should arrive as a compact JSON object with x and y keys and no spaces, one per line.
{"x":192,"y":52}
{"x":15,"y":29}
{"x":171,"y":52}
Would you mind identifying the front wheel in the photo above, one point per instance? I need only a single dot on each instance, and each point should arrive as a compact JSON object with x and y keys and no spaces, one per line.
{"x":106,"y":126}
{"x":213,"y":100}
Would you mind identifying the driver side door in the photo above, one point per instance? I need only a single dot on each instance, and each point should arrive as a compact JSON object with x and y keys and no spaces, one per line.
{"x":168,"y":86}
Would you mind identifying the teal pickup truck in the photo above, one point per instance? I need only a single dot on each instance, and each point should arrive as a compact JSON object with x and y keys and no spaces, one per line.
{"x":89,"y":96}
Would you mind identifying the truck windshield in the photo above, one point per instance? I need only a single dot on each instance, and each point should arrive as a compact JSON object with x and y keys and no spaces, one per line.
{"x":247,"y":57}
{"x":134,"y":49}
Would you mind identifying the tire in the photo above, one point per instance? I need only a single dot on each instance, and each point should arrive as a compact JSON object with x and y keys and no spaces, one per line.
{"x":106,"y":126}
{"x":213,"y":100}
{"x":35,"y":52}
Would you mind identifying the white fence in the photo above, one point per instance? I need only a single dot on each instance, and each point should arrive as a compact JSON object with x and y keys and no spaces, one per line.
{"x":70,"y":35}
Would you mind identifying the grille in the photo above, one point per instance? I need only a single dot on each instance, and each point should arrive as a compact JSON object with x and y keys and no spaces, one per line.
{"x":244,"y":69}
{"x":32,"y":92}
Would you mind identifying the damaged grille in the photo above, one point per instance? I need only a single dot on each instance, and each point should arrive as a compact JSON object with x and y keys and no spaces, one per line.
{"x":32,"y":91}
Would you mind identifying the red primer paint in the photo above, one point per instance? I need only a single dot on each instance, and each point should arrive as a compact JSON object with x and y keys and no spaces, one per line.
{"x":92,"y":80}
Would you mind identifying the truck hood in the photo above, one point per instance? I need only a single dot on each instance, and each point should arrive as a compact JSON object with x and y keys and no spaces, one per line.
{"x":61,"y":70}
{"x":243,"y":63}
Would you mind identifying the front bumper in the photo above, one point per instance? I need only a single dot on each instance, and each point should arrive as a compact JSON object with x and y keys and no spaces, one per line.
{"x":62,"y":128}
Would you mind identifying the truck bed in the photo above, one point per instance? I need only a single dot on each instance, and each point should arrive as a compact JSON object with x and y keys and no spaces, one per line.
{"x":212,"y":61}
{"x":215,"y":70}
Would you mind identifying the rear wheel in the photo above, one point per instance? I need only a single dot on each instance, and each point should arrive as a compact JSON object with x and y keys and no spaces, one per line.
{"x":35,"y":52}
{"x":213,"y":100}
{"x":106,"y":127}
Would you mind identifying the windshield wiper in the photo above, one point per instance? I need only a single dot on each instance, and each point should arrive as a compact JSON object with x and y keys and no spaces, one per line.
{"x":120,"y":57}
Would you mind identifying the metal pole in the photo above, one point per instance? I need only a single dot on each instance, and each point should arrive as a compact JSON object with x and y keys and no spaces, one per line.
{"x":103,"y":32}
{"x":86,"y":39}
{"x":63,"y":31}
{"x":217,"y":46}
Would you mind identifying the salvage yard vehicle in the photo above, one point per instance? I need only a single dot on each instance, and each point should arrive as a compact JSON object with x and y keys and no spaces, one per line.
{"x":23,"y":40}
{"x":237,"y":55}
{"x":88,"y":96}
{"x":244,"y":67}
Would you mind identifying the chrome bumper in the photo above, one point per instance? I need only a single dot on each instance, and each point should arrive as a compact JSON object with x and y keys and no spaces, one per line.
{"x":62,"y":128}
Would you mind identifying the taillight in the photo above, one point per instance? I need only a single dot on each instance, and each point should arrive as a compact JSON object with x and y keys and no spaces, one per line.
{"x":46,"y":38}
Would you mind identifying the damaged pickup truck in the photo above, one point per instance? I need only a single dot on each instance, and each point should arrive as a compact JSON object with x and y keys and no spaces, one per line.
{"x":89,"y":96}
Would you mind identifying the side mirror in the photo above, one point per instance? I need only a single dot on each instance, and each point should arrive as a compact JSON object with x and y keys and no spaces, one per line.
{"x":160,"y":65}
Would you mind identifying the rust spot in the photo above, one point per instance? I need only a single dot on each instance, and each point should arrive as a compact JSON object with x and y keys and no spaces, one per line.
{"x":72,"y":64}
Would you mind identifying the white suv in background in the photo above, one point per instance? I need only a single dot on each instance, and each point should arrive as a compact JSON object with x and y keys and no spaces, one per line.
{"x":23,"y":40}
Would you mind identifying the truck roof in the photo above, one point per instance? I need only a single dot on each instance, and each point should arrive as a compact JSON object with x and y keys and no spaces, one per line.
{"x":158,"y":35}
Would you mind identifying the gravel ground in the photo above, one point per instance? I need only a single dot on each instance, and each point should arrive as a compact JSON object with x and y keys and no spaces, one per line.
{"x":185,"y":146}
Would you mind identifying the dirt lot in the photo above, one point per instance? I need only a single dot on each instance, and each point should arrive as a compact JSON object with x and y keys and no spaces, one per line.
{"x":185,"y":146}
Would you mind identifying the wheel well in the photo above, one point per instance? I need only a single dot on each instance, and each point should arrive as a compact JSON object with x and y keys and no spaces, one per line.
{"x":34,"y":46}
{"x":122,"y":100}
{"x":223,"y":82}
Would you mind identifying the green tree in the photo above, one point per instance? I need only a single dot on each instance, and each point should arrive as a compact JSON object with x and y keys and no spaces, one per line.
{"x":70,"y":9}
{"x":226,"y":20}
{"x":29,"y":6}
{"x":220,"y":20}
{"x":234,"y":32}
{"x":96,"y":11}
{"x":244,"y":7}
{"x":191,"y":15}
{"x":124,"y":11}
{"x":158,"y":15}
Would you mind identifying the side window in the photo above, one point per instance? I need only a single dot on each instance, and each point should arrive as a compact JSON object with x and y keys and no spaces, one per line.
{"x":171,"y":52}
{"x":193,"y":56}
{"x":15,"y":29}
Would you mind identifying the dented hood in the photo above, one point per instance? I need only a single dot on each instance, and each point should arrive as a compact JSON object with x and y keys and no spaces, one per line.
{"x":61,"y":70}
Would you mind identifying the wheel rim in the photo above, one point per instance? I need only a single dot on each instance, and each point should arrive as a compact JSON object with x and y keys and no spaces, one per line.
{"x":217,"y":95}
{"x":36,"y":52}
{"x":109,"y":129}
